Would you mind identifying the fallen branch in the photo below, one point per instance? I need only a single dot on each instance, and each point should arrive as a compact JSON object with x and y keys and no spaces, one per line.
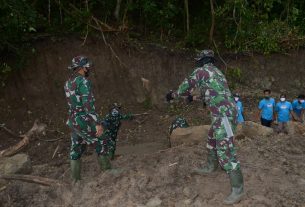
{"x":50,"y":140}
{"x":99,"y":23}
{"x":33,"y":179}
{"x":3,"y":188}
{"x":142,"y":114}
{"x":55,"y":151}
{"x":37,"y":128}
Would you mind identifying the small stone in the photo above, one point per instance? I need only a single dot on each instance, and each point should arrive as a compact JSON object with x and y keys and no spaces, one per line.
{"x":187,"y":192}
{"x":301,"y":181}
{"x":154,"y":202}
{"x":19,"y":163}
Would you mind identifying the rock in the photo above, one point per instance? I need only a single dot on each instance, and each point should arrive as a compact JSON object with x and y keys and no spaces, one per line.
{"x":190,"y":135}
{"x":154,"y":202}
{"x":262,"y":199}
{"x":301,"y":181}
{"x":17,"y":164}
{"x":198,"y":134}
{"x":252,"y":129}
{"x":187,"y":192}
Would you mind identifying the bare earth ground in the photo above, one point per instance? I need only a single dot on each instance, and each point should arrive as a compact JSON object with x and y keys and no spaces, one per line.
{"x":150,"y":173}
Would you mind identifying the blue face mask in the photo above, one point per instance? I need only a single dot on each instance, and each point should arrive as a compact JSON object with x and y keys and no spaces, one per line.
{"x":114,"y":112}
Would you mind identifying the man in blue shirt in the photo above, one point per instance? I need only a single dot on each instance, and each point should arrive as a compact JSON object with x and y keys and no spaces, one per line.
{"x":298,"y":106}
{"x":240,"y":109}
{"x":266,"y":107}
{"x":284,"y":112}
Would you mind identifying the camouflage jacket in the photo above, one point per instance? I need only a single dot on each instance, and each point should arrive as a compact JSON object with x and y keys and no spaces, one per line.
{"x":112,"y":124}
{"x":82,"y":116}
{"x":214,"y":89}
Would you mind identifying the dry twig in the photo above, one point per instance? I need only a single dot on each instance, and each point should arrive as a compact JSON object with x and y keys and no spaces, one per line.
{"x":37,"y":128}
{"x":33,"y":179}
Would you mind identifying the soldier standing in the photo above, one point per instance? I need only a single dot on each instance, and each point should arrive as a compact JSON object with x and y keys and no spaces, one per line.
{"x":220,"y":102}
{"x":85,"y":124}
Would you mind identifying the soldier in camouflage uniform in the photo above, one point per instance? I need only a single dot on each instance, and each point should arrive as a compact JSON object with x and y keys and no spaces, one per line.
{"x":179,"y":122}
{"x":112,"y":122}
{"x":85,"y":124}
{"x":219,"y":100}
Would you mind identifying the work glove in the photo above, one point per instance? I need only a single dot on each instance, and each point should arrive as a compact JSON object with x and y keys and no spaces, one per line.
{"x":169,"y":96}
{"x":190,"y":98}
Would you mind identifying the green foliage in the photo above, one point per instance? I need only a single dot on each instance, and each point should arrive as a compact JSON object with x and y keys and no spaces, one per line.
{"x":234,"y":76}
{"x":5,"y":70}
{"x":264,"y":26}
{"x":147,"y":103}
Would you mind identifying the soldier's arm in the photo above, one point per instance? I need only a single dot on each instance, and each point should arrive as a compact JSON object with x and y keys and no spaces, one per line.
{"x":88,"y":101}
{"x":128,"y":116}
{"x":189,"y":83}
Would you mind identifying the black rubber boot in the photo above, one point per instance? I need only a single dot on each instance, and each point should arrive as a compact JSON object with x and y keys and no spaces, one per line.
{"x":237,"y":187}
{"x":212,"y":164}
{"x":104,"y":162}
{"x":75,"y":169}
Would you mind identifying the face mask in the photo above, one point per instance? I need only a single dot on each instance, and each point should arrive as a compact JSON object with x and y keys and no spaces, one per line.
{"x":302,"y":101}
{"x":114,"y":112}
{"x":236,"y":99}
{"x":282,"y":99}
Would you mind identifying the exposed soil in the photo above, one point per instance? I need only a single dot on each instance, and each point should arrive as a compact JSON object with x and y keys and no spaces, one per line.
{"x":273,"y":167}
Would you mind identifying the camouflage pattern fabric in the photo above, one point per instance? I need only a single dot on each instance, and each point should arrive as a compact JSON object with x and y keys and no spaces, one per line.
{"x":82,"y":118}
{"x":103,"y":147}
{"x":221,"y":140}
{"x":220,"y":102}
{"x":112,"y":124}
{"x":179,"y":122}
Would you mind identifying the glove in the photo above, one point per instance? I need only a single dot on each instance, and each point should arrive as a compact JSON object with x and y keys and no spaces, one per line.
{"x":190,"y":98}
{"x":169,"y":96}
{"x":105,"y":124}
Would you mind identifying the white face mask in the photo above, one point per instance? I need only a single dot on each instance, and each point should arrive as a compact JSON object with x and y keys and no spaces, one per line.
{"x":236,"y":99}
{"x":302,"y":101}
{"x":114,"y":112}
{"x":282,"y":99}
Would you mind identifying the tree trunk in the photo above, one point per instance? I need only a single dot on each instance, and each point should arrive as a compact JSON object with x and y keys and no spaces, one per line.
{"x":116,"y":12}
{"x":212,"y":22}
{"x":186,"y":6}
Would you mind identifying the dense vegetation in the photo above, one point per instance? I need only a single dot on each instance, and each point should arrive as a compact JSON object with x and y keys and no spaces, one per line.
{"x":240,"y":25}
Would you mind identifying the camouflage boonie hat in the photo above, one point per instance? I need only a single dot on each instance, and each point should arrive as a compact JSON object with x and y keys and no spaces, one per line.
{"x":80,"y":61}
{"x":205,"y":53}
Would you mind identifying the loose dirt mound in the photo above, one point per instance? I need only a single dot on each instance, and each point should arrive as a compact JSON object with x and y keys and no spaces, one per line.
{"x":273,"y":171}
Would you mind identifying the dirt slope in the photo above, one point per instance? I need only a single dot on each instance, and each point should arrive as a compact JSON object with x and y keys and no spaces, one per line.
{"x":273,"y":167}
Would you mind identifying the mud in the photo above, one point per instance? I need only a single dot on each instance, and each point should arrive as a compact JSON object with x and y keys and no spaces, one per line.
{"x":151,"y":173}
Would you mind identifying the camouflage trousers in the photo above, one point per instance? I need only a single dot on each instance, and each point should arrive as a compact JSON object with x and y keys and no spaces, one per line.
{"x":220,"y":139}
{"x":103,"y":146}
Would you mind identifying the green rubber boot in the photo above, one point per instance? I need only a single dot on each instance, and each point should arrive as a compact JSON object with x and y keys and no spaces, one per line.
{"x":212,"y":164}
{"x":111,"y":155}
{"x":237,"y":187}
{"x":75,"y":169}
{"x":104,"y":162}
